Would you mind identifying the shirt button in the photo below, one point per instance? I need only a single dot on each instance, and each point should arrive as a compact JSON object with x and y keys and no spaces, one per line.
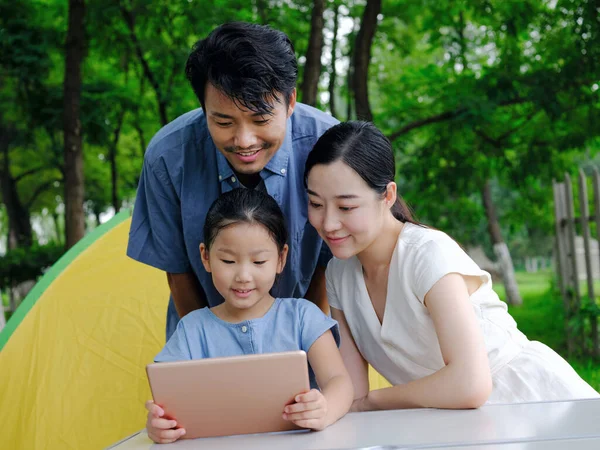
{"x":244,"y":329}
{"x":220,"y":177}
{"x":233,"y":179}
{"x":282,"y":171}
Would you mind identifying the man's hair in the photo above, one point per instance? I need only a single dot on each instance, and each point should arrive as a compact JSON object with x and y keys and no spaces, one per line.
{"x":251,"y":64}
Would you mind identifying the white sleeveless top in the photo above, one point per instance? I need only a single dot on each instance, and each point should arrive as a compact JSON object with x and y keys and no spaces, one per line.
{"x":404,"y":347}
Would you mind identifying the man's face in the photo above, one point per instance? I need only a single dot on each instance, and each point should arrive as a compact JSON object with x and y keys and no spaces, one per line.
{"x":247,"y":139}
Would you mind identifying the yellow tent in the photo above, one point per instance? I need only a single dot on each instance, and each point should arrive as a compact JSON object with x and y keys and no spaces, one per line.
{"x":73,"y":355}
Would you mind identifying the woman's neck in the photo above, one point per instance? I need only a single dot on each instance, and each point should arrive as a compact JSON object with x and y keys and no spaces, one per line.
{"x":231,"y":314}
{"x":377,"y":256}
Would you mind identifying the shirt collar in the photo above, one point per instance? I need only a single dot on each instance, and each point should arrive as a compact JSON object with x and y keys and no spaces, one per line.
{"x":278,"y":164}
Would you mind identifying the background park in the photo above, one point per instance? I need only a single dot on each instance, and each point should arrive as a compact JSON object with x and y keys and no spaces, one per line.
{"x":486,"y":103}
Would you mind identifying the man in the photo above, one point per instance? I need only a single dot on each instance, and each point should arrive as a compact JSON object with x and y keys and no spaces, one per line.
{"x":250,"y":133}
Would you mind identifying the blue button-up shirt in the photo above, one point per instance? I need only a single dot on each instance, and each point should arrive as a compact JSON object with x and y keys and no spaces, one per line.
{"x":184,"y":173}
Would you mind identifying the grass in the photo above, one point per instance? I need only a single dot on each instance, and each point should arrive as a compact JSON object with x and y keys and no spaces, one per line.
{"x":541,"y":318}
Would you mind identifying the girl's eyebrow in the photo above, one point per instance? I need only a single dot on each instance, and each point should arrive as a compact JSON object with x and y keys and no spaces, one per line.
{"x":233,"y":252}
{"x":226,"y":250}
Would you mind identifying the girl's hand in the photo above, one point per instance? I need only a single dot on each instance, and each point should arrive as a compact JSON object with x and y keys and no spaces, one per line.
{"x":161,"y":430}
{"x":309,"y":411}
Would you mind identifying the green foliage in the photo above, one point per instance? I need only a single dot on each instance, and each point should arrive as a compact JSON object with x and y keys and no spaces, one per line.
{"x":24,"y":264}
{"x":514,"y":82}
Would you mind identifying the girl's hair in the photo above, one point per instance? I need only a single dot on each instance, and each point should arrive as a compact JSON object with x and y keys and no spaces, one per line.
{"x":363,"y":148}
{"x":245,"y":206}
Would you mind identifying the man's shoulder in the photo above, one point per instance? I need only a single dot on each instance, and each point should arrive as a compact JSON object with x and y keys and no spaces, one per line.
{"x":188,"y":129}
{"x":309,"y":122}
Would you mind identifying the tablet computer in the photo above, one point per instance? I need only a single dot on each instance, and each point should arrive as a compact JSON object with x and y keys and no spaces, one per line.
{"x":231,"y":395}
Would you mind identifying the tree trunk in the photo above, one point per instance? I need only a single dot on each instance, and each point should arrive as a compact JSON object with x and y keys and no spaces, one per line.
{"x":73,"y":141}
{"x":19,"y":224}
{"x":261,"y":9}
{"x":513,"y":297}
{"x":138,"y":128}
{"x":332,"y":72}
{"x":350,"y":75}
{"x":312,"y":68}
{"x":362,"y":57}
{"x":137,"y":123}
{"x":112,"y":158}
{"x":58,"y":233}
{"x":148,"y":74}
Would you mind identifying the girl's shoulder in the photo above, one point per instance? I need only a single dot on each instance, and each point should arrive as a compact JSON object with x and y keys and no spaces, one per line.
{"x":296,"y":304}
{"x":197,"y":317}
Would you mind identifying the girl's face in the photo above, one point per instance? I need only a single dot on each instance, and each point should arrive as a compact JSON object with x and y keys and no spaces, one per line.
{"x":244,"y":261}
{"x":345,"y":211}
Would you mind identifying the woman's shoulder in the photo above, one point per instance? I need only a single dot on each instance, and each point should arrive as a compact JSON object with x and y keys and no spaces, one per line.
{"x":420,"y":242}
{"x":417,"y":235}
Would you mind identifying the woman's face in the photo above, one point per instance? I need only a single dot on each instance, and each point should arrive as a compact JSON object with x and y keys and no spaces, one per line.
{"x":345,"y":211}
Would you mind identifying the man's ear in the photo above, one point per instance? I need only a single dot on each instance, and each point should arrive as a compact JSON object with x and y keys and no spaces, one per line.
{"x":204,"y":257}
{"x":282,"y":259}
{"x":292,"y":102}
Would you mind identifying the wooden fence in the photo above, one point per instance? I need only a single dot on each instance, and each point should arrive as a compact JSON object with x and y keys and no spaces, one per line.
{"x":578,"y":260}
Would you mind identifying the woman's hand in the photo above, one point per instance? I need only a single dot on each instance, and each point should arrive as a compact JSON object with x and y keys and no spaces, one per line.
{"x":309,"y":411}
{"x":161,"y":430}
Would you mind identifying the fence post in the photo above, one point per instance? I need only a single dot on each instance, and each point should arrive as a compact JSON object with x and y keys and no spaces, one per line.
{"x":562,"y":261}
{"x":575,"y":305}
{"x":561,"y":250}
{"x":594,"y":311}
{"x":585,"y":229}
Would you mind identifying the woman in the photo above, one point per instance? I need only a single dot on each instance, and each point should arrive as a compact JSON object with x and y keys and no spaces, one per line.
{"x":409,"y":300}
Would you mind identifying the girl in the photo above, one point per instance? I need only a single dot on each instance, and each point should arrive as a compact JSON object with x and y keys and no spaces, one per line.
{"x":409,"y":300}
{"x":244,"y":250}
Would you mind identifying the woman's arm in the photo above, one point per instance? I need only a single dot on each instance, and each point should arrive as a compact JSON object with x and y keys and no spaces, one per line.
{"x":355,"y":363}
{"x":317,"y":410}
{"x":465,"y":381}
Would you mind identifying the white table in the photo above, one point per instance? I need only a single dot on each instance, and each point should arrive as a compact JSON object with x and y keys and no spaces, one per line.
{"x":560,"y":444}
{"x":530,"y":426}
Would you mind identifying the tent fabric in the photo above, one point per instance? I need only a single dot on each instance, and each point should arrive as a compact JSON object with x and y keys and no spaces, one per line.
{"x":73,"y":356}
{"x":72,"y":373}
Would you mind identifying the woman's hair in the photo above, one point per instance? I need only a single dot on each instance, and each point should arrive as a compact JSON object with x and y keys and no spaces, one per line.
{"x":249,"y":63}
{"x":363,"y":148}
{"x":245,"y":206}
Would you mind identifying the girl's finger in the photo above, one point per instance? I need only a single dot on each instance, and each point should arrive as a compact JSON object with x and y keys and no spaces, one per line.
{"x":309,"y":396}
{"x":313,"y":424}
{"x":297,"y":407}
{"x":162,"y":424}
{"x":305,"y":415}
{"x":154,"y":409}
{"x":166,"y":436}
